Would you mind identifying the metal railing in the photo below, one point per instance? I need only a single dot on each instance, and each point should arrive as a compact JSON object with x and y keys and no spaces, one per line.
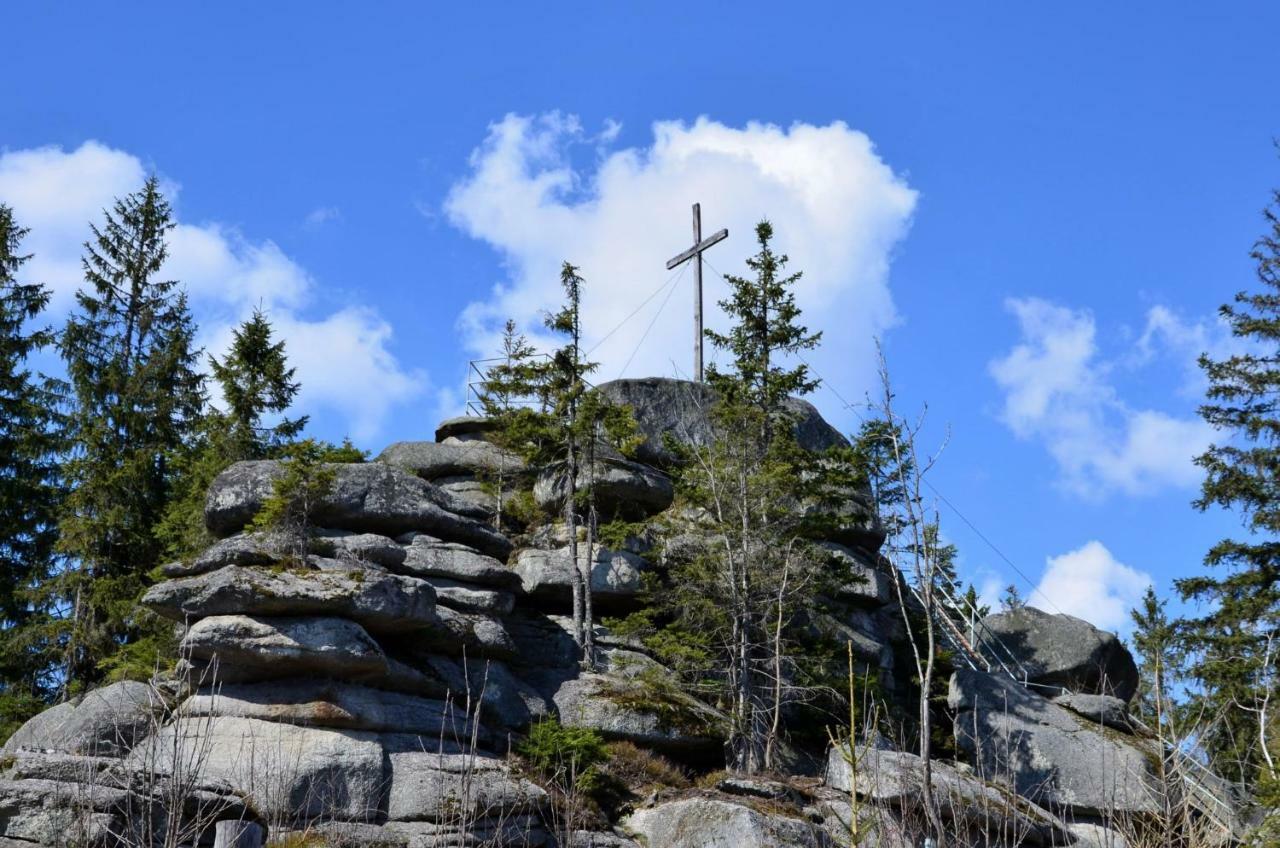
{"x":478,"y":377}
{"x":1221,"y":813}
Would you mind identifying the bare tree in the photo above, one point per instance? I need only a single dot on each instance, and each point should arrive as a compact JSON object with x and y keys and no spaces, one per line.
{"x":916,"y":553}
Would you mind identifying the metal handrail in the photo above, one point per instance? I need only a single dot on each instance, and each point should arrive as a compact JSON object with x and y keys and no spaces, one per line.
{"x":1198,"y":790}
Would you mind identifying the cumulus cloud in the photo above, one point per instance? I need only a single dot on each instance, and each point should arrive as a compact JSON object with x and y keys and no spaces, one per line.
{"x":1059,"y":390}
{"x":837,"y":209}
{"x":343,"y":359}
{"x":1090,"y":583}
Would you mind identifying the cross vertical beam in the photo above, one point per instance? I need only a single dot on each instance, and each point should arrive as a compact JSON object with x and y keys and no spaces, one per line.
{"x":697,"y":295}
{"x":695,"y":253}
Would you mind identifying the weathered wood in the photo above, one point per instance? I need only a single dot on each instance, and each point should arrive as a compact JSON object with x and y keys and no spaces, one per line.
{"x":699,"y":244}
{"x":237,"y":834}
{"x":697,"y":248}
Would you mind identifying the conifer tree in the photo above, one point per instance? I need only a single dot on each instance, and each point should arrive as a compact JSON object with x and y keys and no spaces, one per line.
{"x":765,"y":331}
{"x":1236,"y":634}
{"x":513,"y":396}
{"x":257,"y":382}
{"x":130,"y":358}
{"x":730,"y":609}
{"x":565,"y":386}
{"x":1157,"y":644}
{"x":580,"y":421}
{"x":30,"y":490}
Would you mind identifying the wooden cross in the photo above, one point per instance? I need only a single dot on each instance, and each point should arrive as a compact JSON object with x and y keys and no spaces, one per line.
{"x":695,"y":253}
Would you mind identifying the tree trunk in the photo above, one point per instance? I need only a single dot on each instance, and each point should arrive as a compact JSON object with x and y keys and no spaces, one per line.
{"x":571,"y":525}
{"x":588,"y":611}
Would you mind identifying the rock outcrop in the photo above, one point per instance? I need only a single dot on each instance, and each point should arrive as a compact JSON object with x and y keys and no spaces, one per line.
{"x":1047,"y":754}
{"x":366,"y":684}
{"x":1065,"y":652}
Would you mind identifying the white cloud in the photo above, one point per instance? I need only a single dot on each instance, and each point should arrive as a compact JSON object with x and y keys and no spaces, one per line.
{"x":1168,"y":335}
{"x":1090,"y":583}
{"x":322,"y":215}
{"x":55,"y":195}
{"x":837,"y":209}
{"x":1058,"y":390}
{"x":343,"y":360}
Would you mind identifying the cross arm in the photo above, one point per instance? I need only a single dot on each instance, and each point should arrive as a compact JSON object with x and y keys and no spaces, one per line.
{"x":697,"y":248}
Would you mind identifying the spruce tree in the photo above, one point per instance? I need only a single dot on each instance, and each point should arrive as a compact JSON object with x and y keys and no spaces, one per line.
{"x":1236,"y":636}
{"x":513,"y":396}
{"x":728,"y":613}
{"x":257,"y":382}
{"x":765,"y":331}
{"x":1157,"y":646}
{"x":131,"y":362}
{"x":30,"y":490}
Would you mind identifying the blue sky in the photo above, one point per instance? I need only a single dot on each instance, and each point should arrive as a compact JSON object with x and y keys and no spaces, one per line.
{"x":1037,"y":208}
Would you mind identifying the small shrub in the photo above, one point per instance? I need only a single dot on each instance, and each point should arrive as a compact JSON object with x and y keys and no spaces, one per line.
{"x":521,"y":508}
{"x":641,"y":770}
{"x":566,"y":757}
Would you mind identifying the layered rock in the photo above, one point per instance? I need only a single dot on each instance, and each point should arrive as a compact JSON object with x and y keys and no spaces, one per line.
{"x":624,"y":488}
{"x":547,"y":576}
{"x":105,"y":722}
{"x":366,"y":682}
{"x":373,"y":497}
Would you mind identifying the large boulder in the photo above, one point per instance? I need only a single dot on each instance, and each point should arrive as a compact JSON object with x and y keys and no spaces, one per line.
{"x":1065,"y":653}
{"x":367,"y":548}
{"x":452,"y":457}
{"x":458,"y":633}
{"x":622,"y":487}
{"x":372,"y":497}
{"x":379,"y":602}
{"x":547,"y":576}
{"x":465,"y":428}
{"x":334,"y":704}
{"x":1047,"y":754}
{"x":895,"y":780}
{"x":679,"y":409}
{"x":427,"y":556}
{"x":620,"y":707}
{"x":712,"y":822}
{"x":865,"y":583}
{"x":502,"y":697}
{"x":429,"y":786}
{"x":286,"y":772}
{"x":106,"y":721}
{"x":465,"y":597}
{"x":245,"y":646}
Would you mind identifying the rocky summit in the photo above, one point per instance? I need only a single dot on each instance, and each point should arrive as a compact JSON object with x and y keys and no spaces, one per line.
{"x":370,"y":689}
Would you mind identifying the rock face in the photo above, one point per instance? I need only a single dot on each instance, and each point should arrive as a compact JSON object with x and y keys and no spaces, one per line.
{"x":366,"y":683}
{"x":1062,"y":651}
{"x":548,"y":576}
{"x":377,"y":601}
{"x":622,"y":487}
{"x":679,"y":409}
{"x":372,"y":497}
{"x":1047,"y":754}
{"x":104,"y":722}
{"x":720,"y":823}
